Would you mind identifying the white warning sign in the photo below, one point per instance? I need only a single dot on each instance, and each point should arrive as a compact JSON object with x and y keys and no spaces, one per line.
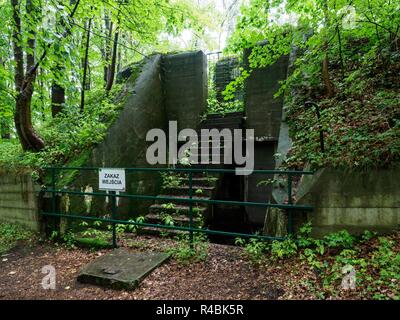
{"x":112,"y":179}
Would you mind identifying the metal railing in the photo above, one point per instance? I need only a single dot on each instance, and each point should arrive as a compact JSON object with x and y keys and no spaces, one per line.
{"x":190,"y":200}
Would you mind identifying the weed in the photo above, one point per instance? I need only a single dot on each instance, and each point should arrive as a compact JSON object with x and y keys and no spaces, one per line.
{"x":186,"y":252}
{"x":11,"y":234}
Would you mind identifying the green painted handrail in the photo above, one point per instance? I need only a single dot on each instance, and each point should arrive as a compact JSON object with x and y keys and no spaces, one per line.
{"x":190,"y":200}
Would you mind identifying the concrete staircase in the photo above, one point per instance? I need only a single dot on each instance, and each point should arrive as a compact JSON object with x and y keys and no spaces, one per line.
{"x":205,"y":185}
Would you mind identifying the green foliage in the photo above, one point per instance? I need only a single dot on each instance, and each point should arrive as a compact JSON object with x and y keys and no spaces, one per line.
{"x":254,"y":248}
{"x":69,"y":135}
{"x":339,"y":239}
{"x":169,"y":205}
{"x":303,"y":236}
{"x":11,"y":234}
{"x":376,"y":264}
{"x":167,"y":220}
{"x":93,"y":243}
{"x":230,"y":102}
{"x":123,"y":228}
{"x":368,"y":235}
{"x":360,"y":119}
{"x":283,"y":249}
{"x":143,"y":27}
{"x":186,"y":252}
{"x":68,"y":238}
{"x":171,"y":180}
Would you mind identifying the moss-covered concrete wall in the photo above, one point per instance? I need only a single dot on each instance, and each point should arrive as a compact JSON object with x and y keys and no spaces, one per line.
{"x":263,"y":111}
{"x":162,"y":88}
{"x":263,"y":114}
{"x":18,"y":200}
{"x":125,"y":146}
{"x":351,"y":200}
{"x":185,"y":87}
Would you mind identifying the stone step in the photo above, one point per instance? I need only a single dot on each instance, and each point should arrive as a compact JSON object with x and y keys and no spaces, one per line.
{"x":180,"y":197}
{"x":196,"y":175}
{"x":207,"y":149}
{"x":221,"y":126}
{"x":179,"y":220}
{"x":206,"y":139}
{"x":180,"y":209}
{"x":210,"y":165}
{"x":222,"y":121}
{"x":184,"y":190}
{"x":226,"y":115}
{"x":197,"y":157}
{"x":205,"y":180}
{"x":201,"y":181}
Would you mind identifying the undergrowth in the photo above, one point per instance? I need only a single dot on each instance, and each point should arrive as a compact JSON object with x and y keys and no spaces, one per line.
{"x":67,"y":136}
{"x":11,"y":234}
{"x":360,"y":122}
{"x":374,"y":259}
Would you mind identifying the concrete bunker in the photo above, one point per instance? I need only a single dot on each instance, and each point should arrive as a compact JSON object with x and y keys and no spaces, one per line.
{"x":175,"y":87}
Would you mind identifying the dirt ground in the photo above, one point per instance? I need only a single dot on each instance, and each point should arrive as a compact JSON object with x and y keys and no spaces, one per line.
{"x":225,"y":274}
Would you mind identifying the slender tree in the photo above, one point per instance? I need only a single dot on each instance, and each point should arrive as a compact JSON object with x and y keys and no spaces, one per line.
{"x":325,"y":62}
{"x":24,"y":79}
{"x":85,"y":65}
{"x":57,"y":88}
{"x":111,"y":70}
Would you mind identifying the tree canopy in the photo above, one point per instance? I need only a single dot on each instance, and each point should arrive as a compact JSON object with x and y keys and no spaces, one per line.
{"x":53,"y":51}
{"x":346,"y":60}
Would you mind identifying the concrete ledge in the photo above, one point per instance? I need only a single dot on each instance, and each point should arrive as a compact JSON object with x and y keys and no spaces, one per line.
{"x":19,"y":200}
{"x":351,"y":200}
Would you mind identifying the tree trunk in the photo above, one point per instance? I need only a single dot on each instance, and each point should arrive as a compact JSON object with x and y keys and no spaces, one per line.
{"x":325,"y":76}
{"x":57,"y":90}
{"x":29,"y":139}
{"x":119,"y":63}
{"x":111,"y":71}
{"x":325,"y":62}
{"x":57,"y":99}
{"x":340,"y":50}
{"x":85,"y":66}
{"x":4,"y":126}
{"x":24,"y":80}
{"x":4,"y":130}
{"x":109,"y":28}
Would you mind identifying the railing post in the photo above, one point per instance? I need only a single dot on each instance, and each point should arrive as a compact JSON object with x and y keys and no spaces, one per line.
{"x":53,"y":196}
{"x":191,"y":209}
{"x":53,"y":187}
{"x":114,"y":216}
{"x":289,"y":211}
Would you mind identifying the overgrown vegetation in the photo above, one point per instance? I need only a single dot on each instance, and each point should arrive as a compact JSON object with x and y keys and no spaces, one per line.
{"x":215,"y":106}
{"x":187,"y":251}
{"x":347,"y":62}
{"x":217,"y":103}
{"x":69,"y":135}
{"x":58,"y":64}
{"x":374,"y":259}
{"x":11,"y":234}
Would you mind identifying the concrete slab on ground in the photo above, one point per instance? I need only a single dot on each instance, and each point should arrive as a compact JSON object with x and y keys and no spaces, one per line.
{"x":121,"y":269}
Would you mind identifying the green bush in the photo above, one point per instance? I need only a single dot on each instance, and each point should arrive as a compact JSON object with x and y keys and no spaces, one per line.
{"x":339,"y":239}
{"x":185,"y":251}
{"x":11,"y":234}
{"x":67,"y":135}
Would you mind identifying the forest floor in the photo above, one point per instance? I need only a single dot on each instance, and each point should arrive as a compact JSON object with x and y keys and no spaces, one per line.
{"x":226,"y":273}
